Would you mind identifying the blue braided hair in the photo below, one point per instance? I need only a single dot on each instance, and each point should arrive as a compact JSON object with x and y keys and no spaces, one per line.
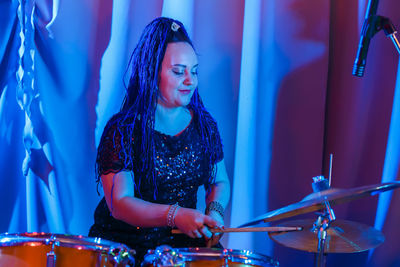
{"x":140,"y":101}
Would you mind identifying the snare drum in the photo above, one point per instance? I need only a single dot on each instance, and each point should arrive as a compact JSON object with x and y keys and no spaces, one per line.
{"x":50,"y":250}
{"x":199,"y":257}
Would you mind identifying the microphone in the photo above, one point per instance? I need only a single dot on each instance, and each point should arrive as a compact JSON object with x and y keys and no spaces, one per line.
{"x":368,"y":31}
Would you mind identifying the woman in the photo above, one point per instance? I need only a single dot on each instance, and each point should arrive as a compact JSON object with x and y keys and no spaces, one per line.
{"x":157,"y":151}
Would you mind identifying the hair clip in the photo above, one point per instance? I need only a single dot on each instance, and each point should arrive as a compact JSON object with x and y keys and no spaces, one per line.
{"x":175,"y":26}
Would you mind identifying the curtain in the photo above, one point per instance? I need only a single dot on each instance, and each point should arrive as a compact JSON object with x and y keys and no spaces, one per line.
{"x":276,"y":75}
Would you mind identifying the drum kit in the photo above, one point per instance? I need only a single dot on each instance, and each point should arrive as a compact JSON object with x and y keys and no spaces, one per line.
{"x":322,"y":236}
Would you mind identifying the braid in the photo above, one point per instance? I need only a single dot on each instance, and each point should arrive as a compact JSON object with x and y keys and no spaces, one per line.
{"x":206,"y":126}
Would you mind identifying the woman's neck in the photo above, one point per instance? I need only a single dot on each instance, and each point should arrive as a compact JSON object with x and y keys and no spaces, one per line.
{"x":172,"y":121}
{"x":164,"y":112}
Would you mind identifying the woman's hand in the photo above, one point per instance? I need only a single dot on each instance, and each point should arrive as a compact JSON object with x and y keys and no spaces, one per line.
{"x":194,"y":223}
{"x":216,"y":236}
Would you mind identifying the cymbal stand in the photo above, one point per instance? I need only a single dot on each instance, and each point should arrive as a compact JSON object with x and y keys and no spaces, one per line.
{"x":321,"y":226}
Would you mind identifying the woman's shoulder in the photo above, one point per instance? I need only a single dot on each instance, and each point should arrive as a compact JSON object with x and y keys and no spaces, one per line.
{"x":120,"y":120}
{"x":118,"y":124}
{"x":207,"y":126}
{"x":203,"y":116}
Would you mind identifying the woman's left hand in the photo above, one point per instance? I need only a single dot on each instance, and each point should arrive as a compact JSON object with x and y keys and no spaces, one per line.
{"x":215,"y":236}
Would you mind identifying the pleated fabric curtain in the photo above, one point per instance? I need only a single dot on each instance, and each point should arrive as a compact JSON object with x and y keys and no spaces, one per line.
{"x":276,"y":75}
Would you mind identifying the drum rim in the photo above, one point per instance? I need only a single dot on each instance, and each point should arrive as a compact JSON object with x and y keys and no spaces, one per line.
{"x":235,"y":255}
{"x":63,"y":240}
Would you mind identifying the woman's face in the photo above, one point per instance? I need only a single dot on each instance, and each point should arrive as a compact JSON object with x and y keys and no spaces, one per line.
{"x":178,"y":77}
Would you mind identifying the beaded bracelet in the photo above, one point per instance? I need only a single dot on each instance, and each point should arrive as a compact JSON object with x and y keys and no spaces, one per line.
{"x":171,"y":215}
{"x":215,"y":205}
{"x":175,"y":212}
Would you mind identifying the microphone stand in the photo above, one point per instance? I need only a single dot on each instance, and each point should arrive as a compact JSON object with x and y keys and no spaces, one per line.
{"x":390,"y":31}
{"x":373,"y":26}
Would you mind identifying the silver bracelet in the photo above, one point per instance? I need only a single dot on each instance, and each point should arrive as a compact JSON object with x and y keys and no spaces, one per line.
{"x":175,"y":212}
{"x":171,"y":215}
{"x":216,"y":206}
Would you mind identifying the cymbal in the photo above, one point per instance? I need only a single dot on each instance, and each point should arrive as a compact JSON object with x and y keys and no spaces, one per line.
{"x":315,"y":201}
{"x":342,"y":237}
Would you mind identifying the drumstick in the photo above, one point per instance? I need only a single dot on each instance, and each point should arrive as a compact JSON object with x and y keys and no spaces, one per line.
{"x":249,"y":229}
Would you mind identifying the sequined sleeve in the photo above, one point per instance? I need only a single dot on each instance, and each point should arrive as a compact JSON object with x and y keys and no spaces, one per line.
{"x":113,"y":151}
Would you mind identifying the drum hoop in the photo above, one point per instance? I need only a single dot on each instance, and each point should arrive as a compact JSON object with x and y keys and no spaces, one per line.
{"x":63,"y":240}
{"x":239,"y":256}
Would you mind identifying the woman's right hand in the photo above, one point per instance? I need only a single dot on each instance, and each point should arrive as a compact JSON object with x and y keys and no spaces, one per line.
{"x":194,"y":223}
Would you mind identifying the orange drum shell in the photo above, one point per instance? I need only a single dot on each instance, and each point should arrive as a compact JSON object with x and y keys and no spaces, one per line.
{"x":31,"y":249}
{"x":35,"y":255}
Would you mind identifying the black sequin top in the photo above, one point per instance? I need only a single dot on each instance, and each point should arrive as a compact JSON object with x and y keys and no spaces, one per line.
{"x":180,"y":166}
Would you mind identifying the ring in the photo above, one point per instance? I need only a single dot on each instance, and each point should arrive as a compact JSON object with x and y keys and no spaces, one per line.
{"x":197,"y":233}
